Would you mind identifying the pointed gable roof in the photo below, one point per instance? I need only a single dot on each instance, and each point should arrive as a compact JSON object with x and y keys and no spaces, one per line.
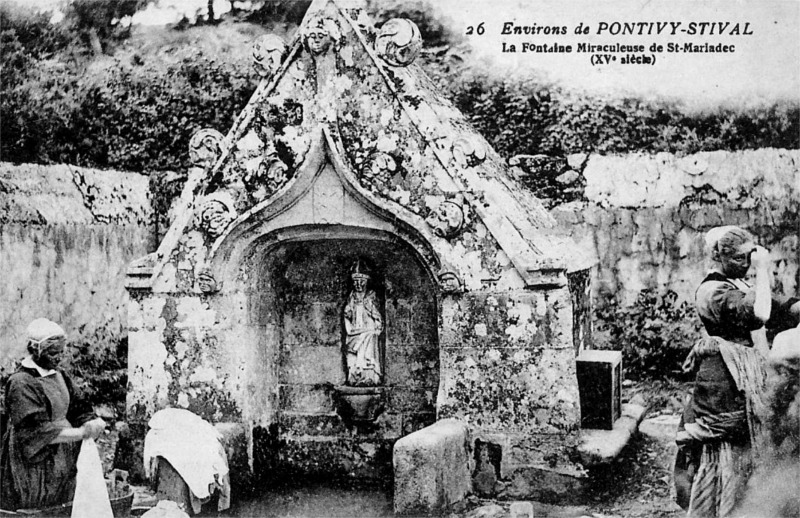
{"x":403,"y":145}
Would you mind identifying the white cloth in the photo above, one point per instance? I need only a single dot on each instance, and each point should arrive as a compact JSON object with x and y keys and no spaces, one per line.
{"x":165,"y":509}
{"x":91,"y":493}
{"x":193,"y":447}
{"x":28,"y":363}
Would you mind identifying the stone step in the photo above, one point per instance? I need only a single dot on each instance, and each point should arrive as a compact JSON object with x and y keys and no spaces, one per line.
{"x":598,"y":447}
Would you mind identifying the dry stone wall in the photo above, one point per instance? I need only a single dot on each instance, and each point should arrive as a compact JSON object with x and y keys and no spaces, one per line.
{"x":66,"y":237}
{"x":645,"y":216}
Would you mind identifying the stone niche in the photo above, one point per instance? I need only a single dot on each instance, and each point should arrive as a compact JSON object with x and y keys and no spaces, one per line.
{"x":298,"y":293}
{"x":347,"y":155}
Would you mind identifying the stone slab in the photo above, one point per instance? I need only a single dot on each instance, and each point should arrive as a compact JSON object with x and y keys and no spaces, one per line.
{"x":599,"y":447}
{"x":432,"y":468}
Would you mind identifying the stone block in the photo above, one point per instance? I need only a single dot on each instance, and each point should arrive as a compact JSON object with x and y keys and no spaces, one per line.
{"x":312,"y":324}
{"x":599,"y":447}
{"x":515,"y":390}
{"x":521,"y":510}
{"x":403,"y":399}
{"x":312,"y":365}
{"x":294,"y":424}
{"x":431,"y":468}
{"x":346,"y":458}
{"x":412,"y":366}
{"x":307,"y":398}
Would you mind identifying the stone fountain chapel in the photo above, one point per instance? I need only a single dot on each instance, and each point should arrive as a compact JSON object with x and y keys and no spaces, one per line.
{"x":351,"y":263}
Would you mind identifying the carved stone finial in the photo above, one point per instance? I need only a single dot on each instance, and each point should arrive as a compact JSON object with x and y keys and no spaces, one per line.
{"x":215,"y":213}
{"x":268,"y":51}
{"x":320,"y":34}
{"x":469,"y":151}
{"x":204,"y":146}
{"x":379,"y":168}
{"x":206,"y":281}
{"x":447,"y":219}
{"x":399,"y":42}
{"x":450,"y":282}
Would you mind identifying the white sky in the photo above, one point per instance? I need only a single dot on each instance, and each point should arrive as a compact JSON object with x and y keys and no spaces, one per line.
{"x":765,"y":66}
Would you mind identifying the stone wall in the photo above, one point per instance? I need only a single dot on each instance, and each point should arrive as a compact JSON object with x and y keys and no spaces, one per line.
{"x":645,"y":215}
{"x":66,"y":237}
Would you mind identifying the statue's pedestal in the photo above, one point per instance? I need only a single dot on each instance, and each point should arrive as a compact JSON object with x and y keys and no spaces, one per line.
{"x":359,"y":405}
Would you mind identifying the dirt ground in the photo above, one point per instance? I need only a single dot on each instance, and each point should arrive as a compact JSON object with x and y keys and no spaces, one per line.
{"x":637,"y":485}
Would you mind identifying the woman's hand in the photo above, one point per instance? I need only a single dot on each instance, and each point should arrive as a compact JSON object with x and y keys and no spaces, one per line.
{"x":760,"y":258}
{"x":94,"y":428}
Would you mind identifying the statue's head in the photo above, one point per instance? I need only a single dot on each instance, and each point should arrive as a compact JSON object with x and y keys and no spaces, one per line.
{"x":360,"y":276}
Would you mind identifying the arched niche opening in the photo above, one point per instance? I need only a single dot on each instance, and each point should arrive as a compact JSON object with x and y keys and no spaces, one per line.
{"x":297,"y":284}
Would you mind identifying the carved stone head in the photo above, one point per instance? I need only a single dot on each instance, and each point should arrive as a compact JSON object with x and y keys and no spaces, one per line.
{"x":268,"y":51}
{"x":447,"y":219}
{"x":450,"y":282}
{"x":204,"y":146}
{"x":206,"y":281}
{"x":215,"y":213}
{"x":399,"y":42}
{"x":320,"y":35}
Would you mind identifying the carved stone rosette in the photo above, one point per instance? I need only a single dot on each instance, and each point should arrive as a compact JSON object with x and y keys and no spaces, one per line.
{"x":271,"y":175}
{"x":204,"y":147}
{"x":469,"y":151}
{"x":378,"y":169}
{"x":268,"y":52}
{"x":447,"y":219}
{"x":398,"y":42}
{"x":214,"y":213}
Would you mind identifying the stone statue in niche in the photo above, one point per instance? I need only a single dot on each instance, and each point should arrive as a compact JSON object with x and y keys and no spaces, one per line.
{"x":214,"y":214}
{"x":363,"y":325}
{"x":399,"y":42}
{"x":268,"y":53}
{"x":469,"y":151}
{"x":204,"y":147}
{"x":320,"y":35}
{"x":447,"y":219}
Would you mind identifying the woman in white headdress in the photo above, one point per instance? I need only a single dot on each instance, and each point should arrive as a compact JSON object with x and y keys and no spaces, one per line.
{"x":46,"y":420}
{"x":721,"y":436}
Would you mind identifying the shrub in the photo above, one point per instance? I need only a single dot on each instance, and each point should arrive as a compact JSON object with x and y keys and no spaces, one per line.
{"x":655,"y":333}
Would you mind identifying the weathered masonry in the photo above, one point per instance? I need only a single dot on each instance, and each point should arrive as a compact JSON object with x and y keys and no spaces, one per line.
{"x":351,"y":263}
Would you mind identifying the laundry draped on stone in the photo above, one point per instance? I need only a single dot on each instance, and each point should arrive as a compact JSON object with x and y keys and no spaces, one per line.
{"x":194,"y":448}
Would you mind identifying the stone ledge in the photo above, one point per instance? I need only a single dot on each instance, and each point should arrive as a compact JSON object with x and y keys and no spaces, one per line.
{"x":598,"y":447}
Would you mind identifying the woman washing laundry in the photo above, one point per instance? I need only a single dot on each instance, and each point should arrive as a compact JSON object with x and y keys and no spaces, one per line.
{"x":722,"y":436}
{"x":46,"y":422}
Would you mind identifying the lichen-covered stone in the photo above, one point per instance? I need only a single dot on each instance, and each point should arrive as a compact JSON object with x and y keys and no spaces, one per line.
{"x":432,"y":468}
{"x":340,"y":157}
